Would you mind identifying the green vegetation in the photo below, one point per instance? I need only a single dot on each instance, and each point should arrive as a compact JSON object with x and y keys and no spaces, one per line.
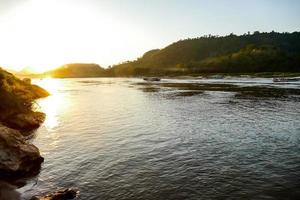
{"x":76,"y":70}
{"x":248,"y":53}
{"x":17,"y":96}
{"x":258,"y":54}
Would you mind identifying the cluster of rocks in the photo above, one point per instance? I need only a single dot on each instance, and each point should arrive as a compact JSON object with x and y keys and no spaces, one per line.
{"x":19,"y":160}
{"x":18,"y":157}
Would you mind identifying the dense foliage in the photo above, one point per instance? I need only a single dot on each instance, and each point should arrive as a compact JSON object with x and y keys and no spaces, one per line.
{"x":257,"y":52}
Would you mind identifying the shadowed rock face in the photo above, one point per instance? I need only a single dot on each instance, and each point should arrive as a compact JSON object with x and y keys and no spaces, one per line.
{"x":8,"y":192}
{"x":18,"y":158}
{"x":25,"y":121}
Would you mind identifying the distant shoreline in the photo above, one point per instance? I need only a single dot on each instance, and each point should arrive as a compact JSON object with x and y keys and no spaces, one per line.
{"x":250,"y":74}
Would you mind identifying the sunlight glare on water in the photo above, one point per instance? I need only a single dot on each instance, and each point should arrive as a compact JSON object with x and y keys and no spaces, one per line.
{"x":54,"y":104}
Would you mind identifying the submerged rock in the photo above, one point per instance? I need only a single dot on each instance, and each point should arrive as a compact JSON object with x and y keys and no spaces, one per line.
{"x":59,"y":195}
{"x":25,"y":121}
{"x":18,"y":158}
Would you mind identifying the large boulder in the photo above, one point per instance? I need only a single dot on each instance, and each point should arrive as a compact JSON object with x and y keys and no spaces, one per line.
{"x":25,"y":121}
{"x":18,"y":158}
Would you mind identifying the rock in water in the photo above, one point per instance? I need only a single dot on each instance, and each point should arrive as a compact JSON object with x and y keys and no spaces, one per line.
{"x":18,"y":158}
{"x":59,"y":195}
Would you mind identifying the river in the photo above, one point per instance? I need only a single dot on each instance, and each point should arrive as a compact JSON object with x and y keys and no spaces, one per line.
{"x":122,"y":138}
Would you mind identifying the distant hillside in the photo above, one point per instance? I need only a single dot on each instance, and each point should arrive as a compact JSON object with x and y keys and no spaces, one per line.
{"x":76,"y":70}
{"x":257,"y":52}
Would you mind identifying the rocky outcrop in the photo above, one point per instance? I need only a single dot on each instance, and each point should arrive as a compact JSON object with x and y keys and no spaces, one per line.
{"x":18,"y":158}
{"x":25,"y":121}
{"x":16,"y":102}
{"x":66,"y":194}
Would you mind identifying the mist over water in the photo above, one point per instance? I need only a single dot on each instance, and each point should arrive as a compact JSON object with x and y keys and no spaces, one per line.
{"x":118,"y":139}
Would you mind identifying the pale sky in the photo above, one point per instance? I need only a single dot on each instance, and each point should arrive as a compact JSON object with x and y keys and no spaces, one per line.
{"x":45,"y":34}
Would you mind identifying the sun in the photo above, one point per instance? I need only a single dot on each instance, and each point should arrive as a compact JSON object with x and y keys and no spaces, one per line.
{"x":45,"y":34}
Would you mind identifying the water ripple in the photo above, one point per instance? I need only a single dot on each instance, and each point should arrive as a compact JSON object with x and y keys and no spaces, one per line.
{"x":115,"y":141}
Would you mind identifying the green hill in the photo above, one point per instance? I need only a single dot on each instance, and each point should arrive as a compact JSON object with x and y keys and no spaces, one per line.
{"x":257,"y":52}
{"x":76,"y":70}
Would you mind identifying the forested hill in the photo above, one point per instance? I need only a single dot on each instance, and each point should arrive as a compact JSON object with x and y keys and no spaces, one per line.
{"x":257,"y":52}
{"x":76,"y":70}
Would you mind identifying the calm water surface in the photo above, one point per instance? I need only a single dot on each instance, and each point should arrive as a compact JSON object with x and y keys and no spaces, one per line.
{"x":114,"y":139}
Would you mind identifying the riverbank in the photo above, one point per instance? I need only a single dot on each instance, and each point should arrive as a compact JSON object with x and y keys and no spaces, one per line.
{"x":19,"y":159}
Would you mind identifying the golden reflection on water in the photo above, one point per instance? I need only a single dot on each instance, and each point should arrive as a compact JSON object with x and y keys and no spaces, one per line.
{"x":53,"y":105}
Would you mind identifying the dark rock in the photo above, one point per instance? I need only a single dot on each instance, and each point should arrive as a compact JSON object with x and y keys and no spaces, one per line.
{"x":59,"y":195}
{"x":8,"y":192}
{"x":25,"y":121}
{"x":18,"y":158}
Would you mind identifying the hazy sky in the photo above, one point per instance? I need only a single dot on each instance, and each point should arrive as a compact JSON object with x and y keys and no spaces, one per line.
{"x":47,"y":33}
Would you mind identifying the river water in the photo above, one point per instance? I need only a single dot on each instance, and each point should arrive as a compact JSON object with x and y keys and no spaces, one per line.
{"x":126,"y":139}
